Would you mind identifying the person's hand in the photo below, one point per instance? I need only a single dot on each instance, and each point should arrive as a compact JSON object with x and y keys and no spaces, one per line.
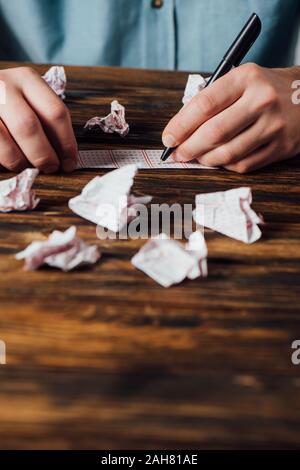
{"x":243,"y":121}
{"x":35,"y":125}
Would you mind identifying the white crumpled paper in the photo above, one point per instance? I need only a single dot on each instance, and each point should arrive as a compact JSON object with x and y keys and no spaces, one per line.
{"x":106,"y":200}
{"x":56,"y":78}
{"x":63,"y":250}
{"x":229,"y":213}
{"x":113,"y":122}
{"x":16,"y":193}
{"x":195,"y":83}
{"x":169,"y":262}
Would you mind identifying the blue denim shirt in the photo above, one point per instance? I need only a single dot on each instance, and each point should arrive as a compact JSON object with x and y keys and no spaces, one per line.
{"x":182,"y":34}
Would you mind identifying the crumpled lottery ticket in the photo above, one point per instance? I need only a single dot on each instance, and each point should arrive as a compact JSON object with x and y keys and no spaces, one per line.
{"x":113,"y":122}
{"x":16,"y":193}
{"x":195,"y":83}
{"x":56,"y":78}
{"x":169,"y":262}
{"x":106,"y":200}
{"x":229,"y":213}
{"x":63,"y":250}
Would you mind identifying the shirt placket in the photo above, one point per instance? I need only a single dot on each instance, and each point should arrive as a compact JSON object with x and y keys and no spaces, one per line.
{"x":162,"y":37}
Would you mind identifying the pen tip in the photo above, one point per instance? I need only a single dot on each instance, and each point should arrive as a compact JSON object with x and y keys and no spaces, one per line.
{"x":166,"y":154}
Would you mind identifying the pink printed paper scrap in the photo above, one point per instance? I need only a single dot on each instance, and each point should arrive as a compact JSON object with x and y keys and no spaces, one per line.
{"x":113,"y":122}
{"x":229,"y":213}
{"x":16,"y":193}
{"x":56,"y":78}
{"x":106,"y":200}
{"x":169,"y":262}
{"x":195,"y":83}
{"x":63,"y":250}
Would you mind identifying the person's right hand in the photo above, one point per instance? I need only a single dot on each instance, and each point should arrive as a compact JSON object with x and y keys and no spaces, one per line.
{"x":35,"y":125}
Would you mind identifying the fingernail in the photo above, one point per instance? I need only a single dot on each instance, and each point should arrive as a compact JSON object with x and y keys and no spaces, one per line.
{"x":50,"y":169}
{"x":69,"y":165}
{"x":169,"y":140}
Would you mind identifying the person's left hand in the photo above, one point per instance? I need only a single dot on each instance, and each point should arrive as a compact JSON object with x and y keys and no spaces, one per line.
{"x":243,"y":121}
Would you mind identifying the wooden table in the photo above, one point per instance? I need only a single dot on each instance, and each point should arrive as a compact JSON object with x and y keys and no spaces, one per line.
{"x":104,"y":357}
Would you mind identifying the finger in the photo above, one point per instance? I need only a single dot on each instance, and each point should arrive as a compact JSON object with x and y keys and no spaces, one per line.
{"x":11,"y":156}
{"x":206,"y":104}
{"x":217,"y":131}
{"x":26,"y":129}
{"x":255,"y":136}
{"x":54,"y":116}
{"x":258,"y":159}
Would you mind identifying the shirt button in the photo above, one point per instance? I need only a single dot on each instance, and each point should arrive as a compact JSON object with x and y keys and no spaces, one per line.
{"x":157,"y":3}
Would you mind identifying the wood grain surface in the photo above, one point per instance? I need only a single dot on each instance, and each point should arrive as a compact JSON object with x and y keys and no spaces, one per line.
{"x":104,"y":357}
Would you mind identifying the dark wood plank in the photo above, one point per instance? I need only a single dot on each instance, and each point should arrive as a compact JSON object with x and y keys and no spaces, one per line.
{"x":106,"y":358}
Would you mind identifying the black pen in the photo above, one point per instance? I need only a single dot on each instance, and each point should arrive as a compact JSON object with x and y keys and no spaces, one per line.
{"x":232,"y":58}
